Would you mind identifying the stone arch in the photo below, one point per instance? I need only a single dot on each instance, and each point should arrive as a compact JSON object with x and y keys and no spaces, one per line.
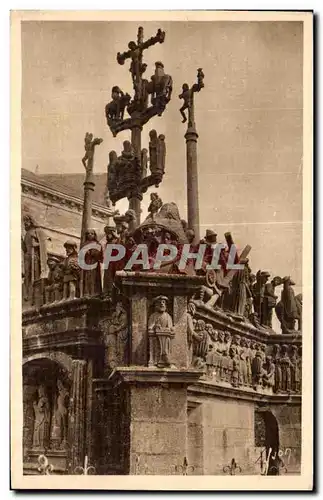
{"x":45,"y":376}
{"x":58,"y":357}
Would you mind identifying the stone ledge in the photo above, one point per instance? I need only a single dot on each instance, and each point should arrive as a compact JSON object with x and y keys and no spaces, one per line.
{"x":148,"y":375}
{"x":205,"y":388}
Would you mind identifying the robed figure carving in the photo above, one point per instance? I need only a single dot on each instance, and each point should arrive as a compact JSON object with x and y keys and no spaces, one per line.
{"x":91,"y":278}
{"x":42,"y":420}
{"x":160,"y":331}
{"x":35,"y":255}
{"x":287,"y":309}
{"x":60,"y":418}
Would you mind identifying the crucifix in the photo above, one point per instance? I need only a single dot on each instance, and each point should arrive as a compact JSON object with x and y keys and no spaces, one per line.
{"x":159,"y":88}
{"x":191,"y":137}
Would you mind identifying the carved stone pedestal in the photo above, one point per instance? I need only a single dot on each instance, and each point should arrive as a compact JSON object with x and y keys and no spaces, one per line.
{"x":153,"y":419}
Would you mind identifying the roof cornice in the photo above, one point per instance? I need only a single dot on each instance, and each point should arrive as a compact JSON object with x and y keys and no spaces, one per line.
{"x":55,"y":197}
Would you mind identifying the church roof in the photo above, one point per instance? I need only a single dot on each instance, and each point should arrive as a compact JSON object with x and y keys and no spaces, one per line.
{"x":68,"y":184}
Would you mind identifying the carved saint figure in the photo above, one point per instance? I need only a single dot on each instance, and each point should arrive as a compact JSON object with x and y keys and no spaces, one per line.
{"x":115,"y":109}
{"x":295,"y":367}
{"x":54,"y":281}
{"x":162,"y":87}
{"x":155,"y":204}
{"x":89,"y":146}
{"x":42,"y":420}
{"x":112,"y":177}
{"x":60,"y":418}
{"x":268,"y":377}
{"x":200,"y":344}
{"x":111,"y":237}
{"x":188,"y":96}
{"x":269,"y":301}
{"x":160,"y":328}
{"x":116,"y":338}
{"x":71,"y":271}
{"x":35,"y":255}
{"x":286,"y":310}
{"x":92,"y":278}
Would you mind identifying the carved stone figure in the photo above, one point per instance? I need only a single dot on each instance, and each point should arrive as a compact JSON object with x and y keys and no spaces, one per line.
{"x":188,"y":96}
{"x":162,"y":87}
{"x":112,"y":178}
{"x":116,"y":338}
{"x":54,"y":281}
{"x":240,"y":291}
{"x":286,"y":310}
{"x":268,"y":377}
{"x":248,"y":355}
{"x":299,"y":305}
{"x":257,"y":367}
{"x":278,"y":373}
{"x":243,"y":362}
{"x":71,"y":271}
{"x":234,"y":369}
{"x":160,"y":332}
{"x":258,"y":293}
{"x":42,"y":420}
{"x":115,"y":109}
{"x":60,"y":418}
{"x":111,"y":237}
{"x":200,"y":344}
{"x":285,"y":364}
{"x":92,"y":284}
{"x":144,"y":162}
{"x":155,"y":204}
{"x":295,"y":368}
{"x":269,"y":301}
{"x":89,"y":146}
{"x":226,"y":360}
{"x":35,"y":255}
{"x":153,"y":144}
{"x":161,"y":159}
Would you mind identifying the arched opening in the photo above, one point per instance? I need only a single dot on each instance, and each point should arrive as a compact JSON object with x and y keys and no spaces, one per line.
{"x":267,"y":440}
{"x":46,"y":394}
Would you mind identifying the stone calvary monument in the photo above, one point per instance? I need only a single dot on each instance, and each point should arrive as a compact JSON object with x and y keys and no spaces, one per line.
{"x":153,"y":371}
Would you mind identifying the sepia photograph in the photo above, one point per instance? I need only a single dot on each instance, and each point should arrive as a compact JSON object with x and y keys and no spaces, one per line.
{"x":161,"y":202}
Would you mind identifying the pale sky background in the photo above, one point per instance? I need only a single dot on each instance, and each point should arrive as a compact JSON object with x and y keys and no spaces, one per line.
{"x":248,"y":116}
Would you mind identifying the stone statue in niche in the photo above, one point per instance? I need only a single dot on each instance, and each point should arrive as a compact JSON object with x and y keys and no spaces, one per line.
{"x":286,"y":310}
{"x":116,"y":337}
{"x":71,"y":271}
{"x":60,"y":418}
{"x":92,"y":284}
{"x":160,"y":333}
{"x":54,"y":281}
{"x":42,"y":420}
{"x":29,"y":417}
{"x":35,"y":255}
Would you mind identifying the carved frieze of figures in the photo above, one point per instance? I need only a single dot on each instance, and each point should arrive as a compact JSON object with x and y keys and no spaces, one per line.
{"x":240,"y":361}
{"x":160,"y":333}
{"x":115,"y":331}
{"x":35,"y":255}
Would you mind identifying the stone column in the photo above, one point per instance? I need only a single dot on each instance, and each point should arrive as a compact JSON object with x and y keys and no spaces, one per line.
{"x":193,"y":217}
{"x":77,"y":417}
{"x":89,"y":186}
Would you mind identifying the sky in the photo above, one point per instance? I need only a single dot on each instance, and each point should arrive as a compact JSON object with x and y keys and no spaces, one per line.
{"x":248,"y":117}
